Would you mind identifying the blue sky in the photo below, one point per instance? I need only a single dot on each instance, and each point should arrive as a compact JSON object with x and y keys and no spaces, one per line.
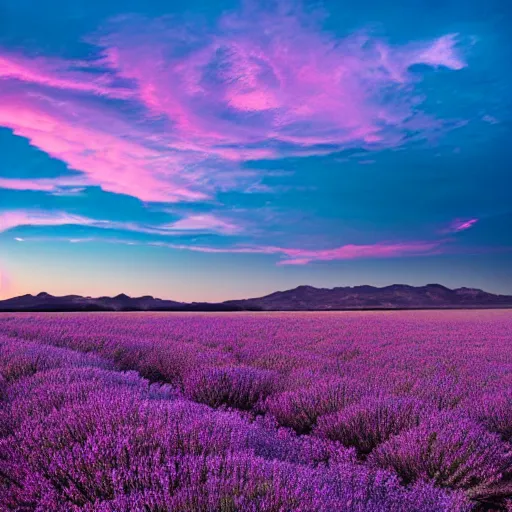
{"x":229,"y":149}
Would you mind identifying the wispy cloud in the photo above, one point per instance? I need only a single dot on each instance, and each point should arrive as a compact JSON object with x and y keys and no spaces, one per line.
{"x":209,"y":223}
{"x":195,"y":223}
{"x":351,"y":252}
{"x":56,"y":186}
{"x":288,"y":256}
{"x":17,"y":218}
{"x":204,"y":222}
{"x":170,"y":112}
{"x":460,"y":225}
{"x":57,"y":74}
{"x":121,"y":161}
{"x":305,"y":256}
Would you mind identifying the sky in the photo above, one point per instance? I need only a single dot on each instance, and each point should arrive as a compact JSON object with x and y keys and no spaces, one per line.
{"x":212,"y":150}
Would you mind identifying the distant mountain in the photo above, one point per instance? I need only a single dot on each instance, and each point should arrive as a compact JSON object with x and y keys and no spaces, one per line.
{"x":302,"y":298}
{"x":46,"y":302}
{"x":396,"y":296}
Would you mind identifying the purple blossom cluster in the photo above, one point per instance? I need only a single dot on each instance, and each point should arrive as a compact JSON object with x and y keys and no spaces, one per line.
{"x":350,"y":412}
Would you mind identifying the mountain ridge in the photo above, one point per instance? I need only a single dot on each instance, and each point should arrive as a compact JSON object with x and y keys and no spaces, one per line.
{"x":301,"y":298}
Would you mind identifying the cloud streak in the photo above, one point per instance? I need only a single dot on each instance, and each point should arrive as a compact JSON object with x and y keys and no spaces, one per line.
{"x":305,"y":256}
{"x":458,"y":225}
{"x":17,"y":218}
{"x":204,"y":222}
{"x":463,"y":225}
{"x":54,"y":73}
{"x":352,"y":252}
{"x":57,"y":186}
{"x":289,"y":256}
{"x":170,"y":113}
{"x":194,"y":223}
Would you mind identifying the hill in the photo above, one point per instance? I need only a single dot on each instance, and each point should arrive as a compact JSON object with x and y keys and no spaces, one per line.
{"x":396,"y":296}
{"x":302,"y":298}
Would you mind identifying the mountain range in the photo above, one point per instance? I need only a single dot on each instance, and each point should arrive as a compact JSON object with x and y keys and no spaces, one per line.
{"x":302,"y":298}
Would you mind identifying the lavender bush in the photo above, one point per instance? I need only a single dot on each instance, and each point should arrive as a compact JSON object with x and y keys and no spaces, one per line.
{"x":238,"y":387}
{"x":450,"y":450}
{"x":300,"y":409}
{"x":371,"y":422}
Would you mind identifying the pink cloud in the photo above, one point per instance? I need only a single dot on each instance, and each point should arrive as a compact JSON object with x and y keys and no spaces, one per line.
{"x":460,"y":225}
{"x":109,"y":160}
{"x":466,"y":225}
{"x":54,"y":73}
{"x":305,"y":256}
{"x":440,"y":53}
{"x":16,"y":218}
{"x":195,"y":106}
{"x":306,"y":87}
{"x":350,"y":252}
{"x":17,"y":184}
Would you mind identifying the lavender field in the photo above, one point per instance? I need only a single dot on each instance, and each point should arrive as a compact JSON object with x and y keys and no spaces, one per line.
{"x":354,"y":411}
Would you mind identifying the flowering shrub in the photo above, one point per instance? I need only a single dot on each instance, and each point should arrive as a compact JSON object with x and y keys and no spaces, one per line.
{"x":366,"y":425}
{"x":238,"y":387}
{"x":495,"y":413}
{"x":300,"y":409}
{"x":450,"y":450}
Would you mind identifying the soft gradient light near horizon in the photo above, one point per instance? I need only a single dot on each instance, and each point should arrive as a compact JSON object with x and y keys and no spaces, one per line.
{"x":229,"y":149}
